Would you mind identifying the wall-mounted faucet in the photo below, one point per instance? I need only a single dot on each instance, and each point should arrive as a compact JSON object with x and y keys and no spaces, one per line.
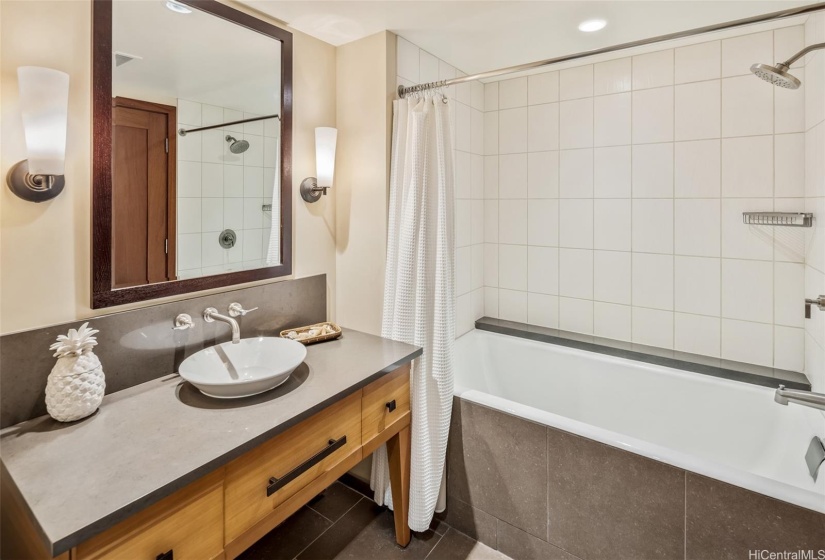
{"x":819,"y":302}
{"x":210,"y":315}
{"x":805,"y":398}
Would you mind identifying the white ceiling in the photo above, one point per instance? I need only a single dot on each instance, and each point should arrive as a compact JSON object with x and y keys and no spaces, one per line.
{"x":476,"y":36}
{"x":195,"y":56}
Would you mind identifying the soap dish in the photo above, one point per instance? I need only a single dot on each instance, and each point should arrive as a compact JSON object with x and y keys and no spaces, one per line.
{"x":322,"y":328}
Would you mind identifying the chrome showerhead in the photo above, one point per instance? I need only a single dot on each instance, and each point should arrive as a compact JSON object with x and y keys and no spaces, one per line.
{"x":777,"y":75}
{"x":237,"y":146}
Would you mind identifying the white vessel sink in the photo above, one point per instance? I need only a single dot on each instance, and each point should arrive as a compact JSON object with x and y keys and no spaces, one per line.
{"x":252,"y":366}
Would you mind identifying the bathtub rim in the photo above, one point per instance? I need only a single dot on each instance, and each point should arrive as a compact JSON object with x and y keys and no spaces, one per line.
{"x":778,"y":490}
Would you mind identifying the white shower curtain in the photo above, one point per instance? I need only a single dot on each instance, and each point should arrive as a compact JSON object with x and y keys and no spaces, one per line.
{"x":273,"y":249}
{"x":419,"y":292}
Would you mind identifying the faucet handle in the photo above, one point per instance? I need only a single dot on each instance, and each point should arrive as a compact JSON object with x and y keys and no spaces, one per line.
{"x":183,"y":322}
{"x":237,"y":310}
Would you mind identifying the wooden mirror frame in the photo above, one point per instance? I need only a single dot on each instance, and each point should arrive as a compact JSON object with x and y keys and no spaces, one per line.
{"x":103,"y":294}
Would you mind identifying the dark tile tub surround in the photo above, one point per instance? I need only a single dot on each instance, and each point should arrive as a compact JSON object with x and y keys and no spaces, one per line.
{"x":716,"y":367}
{"x":597,"y":502}
{"x":139,"y":345}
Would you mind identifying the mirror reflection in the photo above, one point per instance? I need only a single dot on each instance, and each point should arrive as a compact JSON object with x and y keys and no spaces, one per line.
{"x":196,"y":151}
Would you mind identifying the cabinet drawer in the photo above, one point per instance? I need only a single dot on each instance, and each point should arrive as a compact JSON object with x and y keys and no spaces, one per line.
{"x":261,"y":480}
{"x":188,"y":525}
{"x":386,"y":403}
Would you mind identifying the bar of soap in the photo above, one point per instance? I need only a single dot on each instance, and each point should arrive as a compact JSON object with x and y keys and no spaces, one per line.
{"x":292,"y":334}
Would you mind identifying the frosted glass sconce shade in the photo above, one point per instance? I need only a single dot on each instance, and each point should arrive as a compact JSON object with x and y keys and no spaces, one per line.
{"x":312,"y":188}
{"x":44,"y":107}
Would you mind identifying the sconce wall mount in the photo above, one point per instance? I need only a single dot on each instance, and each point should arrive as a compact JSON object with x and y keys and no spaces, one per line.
{"x":33,"y":187}
{"x":312,"y":188}
{"x":310,"y":191}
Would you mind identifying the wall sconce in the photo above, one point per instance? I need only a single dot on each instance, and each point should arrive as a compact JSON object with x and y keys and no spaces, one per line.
{"x":44,"y":105}
{"x":312,"y":188}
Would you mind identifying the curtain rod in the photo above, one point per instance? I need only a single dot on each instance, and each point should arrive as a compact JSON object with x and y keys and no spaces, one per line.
{"x":404,"y":90}
{"x":184,"y":132}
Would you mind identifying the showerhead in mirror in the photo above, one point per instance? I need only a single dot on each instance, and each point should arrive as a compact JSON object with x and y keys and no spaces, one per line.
{"x":237,"y":146}
{"x":778,"y":75}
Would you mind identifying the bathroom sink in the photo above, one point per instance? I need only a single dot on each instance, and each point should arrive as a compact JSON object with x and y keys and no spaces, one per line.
{"x":254,"y":365}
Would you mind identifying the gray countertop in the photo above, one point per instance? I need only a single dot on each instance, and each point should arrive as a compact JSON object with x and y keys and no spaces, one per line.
{"x":152,"y":439}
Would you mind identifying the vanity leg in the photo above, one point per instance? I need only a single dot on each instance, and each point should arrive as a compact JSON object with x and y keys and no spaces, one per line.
{"x":398,"y":451}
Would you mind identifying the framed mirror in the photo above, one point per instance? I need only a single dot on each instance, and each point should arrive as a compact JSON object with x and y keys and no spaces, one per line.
{"x":192,"y":135}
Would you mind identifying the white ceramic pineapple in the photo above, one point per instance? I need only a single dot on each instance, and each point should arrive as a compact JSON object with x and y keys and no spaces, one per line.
{"x":76,"y":384}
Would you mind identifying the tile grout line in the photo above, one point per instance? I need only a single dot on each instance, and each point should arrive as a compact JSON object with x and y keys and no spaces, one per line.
{"x":440,"y":538}
{"x":334,"y":523}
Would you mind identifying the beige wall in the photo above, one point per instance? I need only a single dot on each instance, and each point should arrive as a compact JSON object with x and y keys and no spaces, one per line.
{"x":366,"y":81}
{"x":45,"y":248}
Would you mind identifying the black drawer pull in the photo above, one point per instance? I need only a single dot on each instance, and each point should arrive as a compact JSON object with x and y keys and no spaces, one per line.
{"x":391,"y":405}
{"x":276,"y":484}
{"x":169,"y":555}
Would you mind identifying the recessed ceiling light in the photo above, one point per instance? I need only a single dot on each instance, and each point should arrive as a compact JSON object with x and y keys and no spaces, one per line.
{"x":177,"y":7}
{"x":592,"y":25}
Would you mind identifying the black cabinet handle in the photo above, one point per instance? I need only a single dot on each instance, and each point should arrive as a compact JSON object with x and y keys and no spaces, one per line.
{"x":168,"y":555}
{"x":390,"y":405}
{"x":276,"y":484}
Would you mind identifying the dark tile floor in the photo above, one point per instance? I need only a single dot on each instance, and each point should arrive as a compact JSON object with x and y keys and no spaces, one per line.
{"x":344,"y":524}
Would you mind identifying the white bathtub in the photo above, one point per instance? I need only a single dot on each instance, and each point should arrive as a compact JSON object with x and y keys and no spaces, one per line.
{"x":727,"y":430}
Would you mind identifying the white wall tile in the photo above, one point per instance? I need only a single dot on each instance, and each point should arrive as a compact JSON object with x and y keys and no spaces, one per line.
{"x":576,"y":223}
{"x":463,"y":314}
{"x":613,"y":76}
{"x":543,"y":270}
{"x":512,"y":305}
{"x":408,"y":60}
{"x":699,"y":62}
{"x":788,"y":41}
{"x":653,"y":69}
{"x":491,"y":265}
{"x":653,"y":327}
{"x":543,"y":88}
{"x":232,"y":180}
{"x":698,"y":107}
{"x":576,"y":315}
{"x":189,"y":179}
{"x":463,"y":270}
{"x":464,"y":127}
{"x":233,"y":213}
{"x":789,"y":155}
{"x":746,"y":241}
{"x":789,"y":292}
{"x":652,"y":281}
{"x":576,"y":273}
{"x":512,"y":176}
{"x":698,"y":169}
{"x":189,"y":147}
{"x":212,"y":254}
{"x":747,"y":290}
{"x":747,"y":167}
{"x":477,"y":218}
{"x":789,"y":348}
{"x":612,"y":276}
{"x":653,"y":225}
{"x":491,"y":221}
{"x":653,"y":115}
{"x":490,"y":177}
{"x":747,"y":106}
{"x":491,"y":302}
{"x":189,"y":251}
{"x":611,"y":224}
{"x":576,"y":173}
{"x":543,"y":222}
{"x":542,"y":175}
{"x":698,"y":335}
{"x":612,"y":120}
{"x":789,"y":106}
{"x":253,"y":182}
{"x":543,"y":127}
{"x":512,"y":264}
{"x":512,"y":217}
{"x":698,"y":224}
{"x":611,"y":172}
{"x":189,"y":112}
{"x":743,"y":341}
{"x":462,"y":175}
{"x":576,"y":123}
{"x":698,"y":285}
{"x":543,"y":310}
{"x":491,"y":132}
{"x":477,"y":96}
{"x":212,"y":214}
{"x":653,"y":171}
{"x":477,"y":131}
{"x":189,"y":215}
{"x":252,"y":214}
{"x":512,"y":132}
{"x":463,"y":223}
{"x":491,"y":97}
{"x":612,"y":321}
{"x":575,"y":83}
{"x":512,"y":93}
{"x":738,"y":53}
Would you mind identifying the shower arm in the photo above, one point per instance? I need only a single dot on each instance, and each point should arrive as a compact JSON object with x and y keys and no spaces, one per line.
{"x":184,"y":132}
{"x":802,"y":53}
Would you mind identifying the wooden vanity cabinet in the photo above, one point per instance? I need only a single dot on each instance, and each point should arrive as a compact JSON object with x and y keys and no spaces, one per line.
{"x":225,"y":512}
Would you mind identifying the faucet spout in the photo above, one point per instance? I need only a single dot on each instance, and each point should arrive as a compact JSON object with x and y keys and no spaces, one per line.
{"x":211,"y":315}
{"x":805,"y":398}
